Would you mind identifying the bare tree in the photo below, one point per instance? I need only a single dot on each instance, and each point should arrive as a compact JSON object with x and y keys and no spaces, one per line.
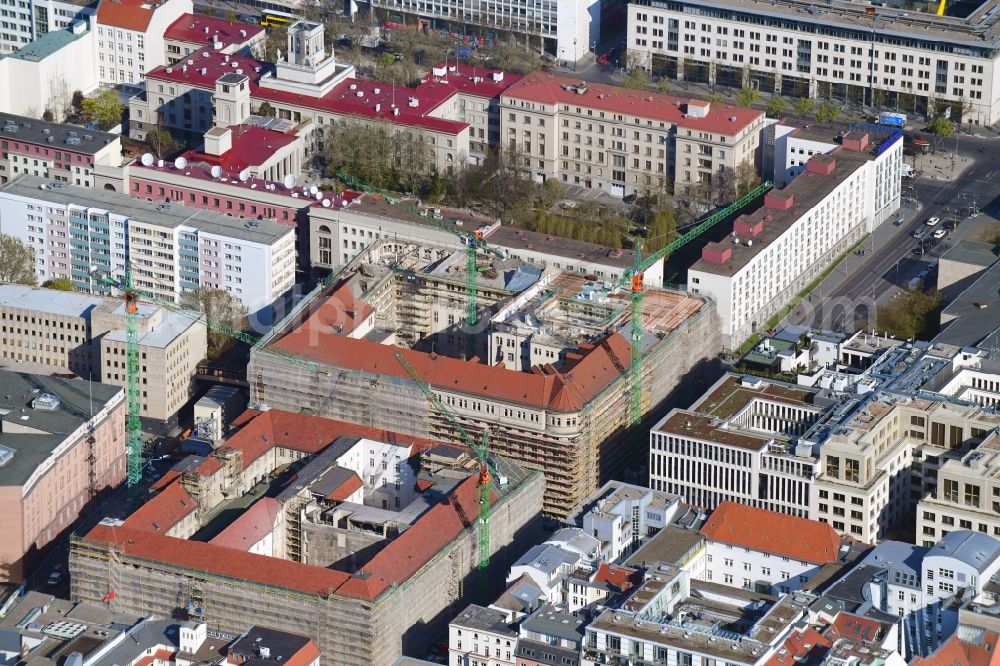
{"x":218,"y":305}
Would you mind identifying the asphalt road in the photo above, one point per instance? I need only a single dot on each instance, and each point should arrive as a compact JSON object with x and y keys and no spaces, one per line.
{"x":889,"y":261}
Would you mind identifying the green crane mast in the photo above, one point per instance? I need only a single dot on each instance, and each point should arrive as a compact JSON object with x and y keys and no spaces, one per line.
{"x":487,"y":471}
{"x":634,"y":280}
{"x":134,"y":447}
{"x":473,"y":241}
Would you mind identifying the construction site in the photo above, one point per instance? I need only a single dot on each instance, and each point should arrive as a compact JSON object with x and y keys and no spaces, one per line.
{"x":556,"y":370}
{"x":365,"y":540}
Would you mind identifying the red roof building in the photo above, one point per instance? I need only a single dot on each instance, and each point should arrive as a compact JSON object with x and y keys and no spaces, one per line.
{"x":809,"y":541}
{"x":191,"y":32}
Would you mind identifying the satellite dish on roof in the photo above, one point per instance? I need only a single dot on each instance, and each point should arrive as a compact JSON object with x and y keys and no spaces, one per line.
{"x":319,"y":196}
{"x":147,"y":159}
{"x":326,"y":203}
{"x":290,"y":181}
{"x":244,"y":175}
{"x":216,"y":171}
{"x":180,"y":163}
{"x":313,"y":190}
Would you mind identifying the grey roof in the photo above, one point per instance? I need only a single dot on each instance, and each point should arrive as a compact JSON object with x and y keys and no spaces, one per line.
{"x":536,"y":652}
{"x":17,"y":393}
{"x":574,"y":537}
{"x":546,"y":558}
{"x":901,"y":561}
{"x":555,"y":622}
{"x":973,"y":325}
{"x":48,"y":301}
{"x":170,"y":215}
{"x":46,"y":45}
{"x":522,"y":595}
{"x":10,"y":641}
{"x":281,"y":644}
{"x":171,"y":326}
{"x":976,"y":549}
{"x":972,"y":252}
{"x":484,"y":619}
{"x":54,"y":135}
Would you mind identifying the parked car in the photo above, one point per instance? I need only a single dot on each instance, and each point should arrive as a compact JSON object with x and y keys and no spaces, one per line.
{"x":940,"y":233}
{"x":918,"y":234}
{"x":933,"y":222}
{"x":55,"y":578}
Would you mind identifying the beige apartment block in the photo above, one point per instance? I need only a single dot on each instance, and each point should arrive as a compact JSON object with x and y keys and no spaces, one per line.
{"x":624,"y":141}
{"x":170,"y":347}
{"x":48,"y":328}
{"x":62,"y":443}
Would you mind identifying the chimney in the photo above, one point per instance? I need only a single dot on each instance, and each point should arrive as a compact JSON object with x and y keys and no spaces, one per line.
{"x":717,"y":253}
{"x":218,"y":141}
{"x":823,"y":164}
{"x":744,"y":226}
{"x":856,"y":141}
{"x":779,"y":200}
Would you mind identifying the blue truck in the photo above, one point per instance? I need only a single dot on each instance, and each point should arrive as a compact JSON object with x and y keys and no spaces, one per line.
{"x":892,"y":119}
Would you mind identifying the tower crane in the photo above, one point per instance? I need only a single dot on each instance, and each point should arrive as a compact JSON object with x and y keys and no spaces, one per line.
{"x":133,"y":424}
{"x":473,"y":241}
{"x":489,"y":478}
{"x":634,"y":280}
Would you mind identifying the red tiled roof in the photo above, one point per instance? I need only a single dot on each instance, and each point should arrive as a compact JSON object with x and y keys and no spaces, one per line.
{"x":190,"y":28}
{"x":955,"y":652}
{"x":255,"y":524}
{"x":345,"y":489}
{"x":165,"y":480}
{"x":342,"y":311}
{"x":252,"y":146}
{"x":316,"y":340}
{"x":800,"y":647}
{"x":771,"y":532}
{"x":162,"y":512}
{"x":219,"y":560}
{"x":307,"y":655}
{"x":620,"y":577}
{"x":125,"y":14}
{"x":208,"y":65}
{"x":552,"y":89}
{"x":855,"y":628}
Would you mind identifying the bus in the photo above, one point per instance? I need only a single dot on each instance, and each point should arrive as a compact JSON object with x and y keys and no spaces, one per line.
{"x":274,"y":19}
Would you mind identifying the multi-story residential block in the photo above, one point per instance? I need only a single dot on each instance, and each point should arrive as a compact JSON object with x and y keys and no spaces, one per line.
{"x":42,"y":75}
{"x":623,"y":517}
{"x":172,"y":249}
{"x":482,"y":636}
{"x":803,"y":228}
{"x":85,"y":335}
{"x":339,"y":233}
{"x":28,"y":20}
{"x":567,"y":29}
{"x":196,"y":32}
{"x":766,"y":551}
{"x":551,"y":636}
{"x":60,"y":152}
{"x":62,"y":444}
{"x":131,"y":38}
{"x":914,"y":61}
{"x":624,"y":141}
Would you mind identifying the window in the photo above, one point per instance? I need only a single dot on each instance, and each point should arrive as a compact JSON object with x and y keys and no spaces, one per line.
{"x":833,"y":466}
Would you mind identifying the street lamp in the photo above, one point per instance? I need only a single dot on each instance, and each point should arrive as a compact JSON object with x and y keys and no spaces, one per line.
{"x":574,"y":54}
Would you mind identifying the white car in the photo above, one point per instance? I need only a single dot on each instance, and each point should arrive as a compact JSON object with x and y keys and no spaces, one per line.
{"x":940,"y":233}
{"x":933,"y":222}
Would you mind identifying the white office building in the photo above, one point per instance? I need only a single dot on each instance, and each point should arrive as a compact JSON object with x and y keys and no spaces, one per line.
{"x":24,"y":21}
{"x":892,"y":54}
{"x":130,"y":38}
{"x":801,"y":229}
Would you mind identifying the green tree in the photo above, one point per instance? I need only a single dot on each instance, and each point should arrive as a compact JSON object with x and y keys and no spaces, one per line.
{"x":161,"y":141}
{"x":217,"y":305}
{"x":636,"y":79}
{"x":663,"y":85}
{"x":776,"y":106}
{"x":265,"y":109}
{"x":230,"y":15}
{"x":827,"y":112}
{"x":745,"y":97}
{"x":104,"y":109}
{"x":913,"y":314}
{"x":59,"y":284}
{"x":17,"y":261}
{"x":941,"y":127}
{"x":715,"y":98}
{"x":803,"y":106}
{"x":383,"y":64}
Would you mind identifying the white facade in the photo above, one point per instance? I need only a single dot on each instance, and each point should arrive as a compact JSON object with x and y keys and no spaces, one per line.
{"x":754,"y":569}
{"x":480,"y":637}
{"x":817,"y":50}
{"x":126,"y":51}
{"x":755,"y":276}
{"x":25,"y":21}
{"x":624,"y":515}
{"x":44,"y":75}
{"x":384,"y":469}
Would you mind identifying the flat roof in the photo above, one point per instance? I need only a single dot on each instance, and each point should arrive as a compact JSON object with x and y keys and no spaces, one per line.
{"x":471,"y":80}
{"x":976,"y":312}
{"x":973,"y":252}
{"x":171,"y":326}
{"x":169,"y":215}
{"x":63,"y":137}
{"x":201,"y":29}
{"x":47,"y":45}
{"x":807,"y":189}
{"x":48,"y":301}
{"x":669,"y":109}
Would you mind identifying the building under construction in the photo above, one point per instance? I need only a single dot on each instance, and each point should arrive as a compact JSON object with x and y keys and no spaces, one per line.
{"x":549,"y":380}
{"x":364,"y":540}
